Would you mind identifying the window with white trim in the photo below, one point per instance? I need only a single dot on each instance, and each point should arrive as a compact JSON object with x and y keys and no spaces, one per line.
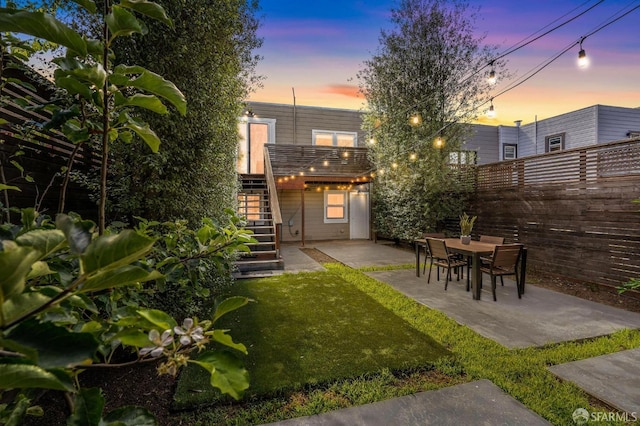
{"x":332,"y":138}
{"x":509,"y":151}
{"x":335,"y":207}
{"x":554,"y":143}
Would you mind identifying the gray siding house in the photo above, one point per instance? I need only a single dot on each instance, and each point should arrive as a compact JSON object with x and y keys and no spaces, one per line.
{"x":320,"y":168}
{"x":322,"y":174}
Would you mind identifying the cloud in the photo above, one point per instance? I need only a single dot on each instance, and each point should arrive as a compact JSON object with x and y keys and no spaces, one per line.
{"x":344,"y":90}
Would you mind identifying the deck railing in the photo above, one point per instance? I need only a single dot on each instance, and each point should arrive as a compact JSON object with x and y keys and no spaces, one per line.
{"x":273,"y":199}
{"x":314,"y":160}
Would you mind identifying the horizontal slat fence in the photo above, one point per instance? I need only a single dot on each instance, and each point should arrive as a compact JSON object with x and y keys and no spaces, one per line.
{"x":573,"y":210}
{"x":44,"y":153}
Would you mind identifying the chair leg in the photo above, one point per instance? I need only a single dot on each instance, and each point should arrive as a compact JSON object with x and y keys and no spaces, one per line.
{"x":493,"y":287}
{"x":501,"y":281}
{"x":518,"y":287}
{"x":430,"y":268}
{"x":446,"y":279}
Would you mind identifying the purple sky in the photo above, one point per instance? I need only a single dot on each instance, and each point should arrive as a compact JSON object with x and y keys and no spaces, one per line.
{"x":312,"y":47}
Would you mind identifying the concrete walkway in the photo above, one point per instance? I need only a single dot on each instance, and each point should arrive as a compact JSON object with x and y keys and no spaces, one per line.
{"x":542,"y":316}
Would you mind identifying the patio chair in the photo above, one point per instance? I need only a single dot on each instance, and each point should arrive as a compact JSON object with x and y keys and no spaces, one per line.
{"x":504,"y":261}
{"x":441,"y":257}
{"x":491,"y":239}
{"x":427,"y":254}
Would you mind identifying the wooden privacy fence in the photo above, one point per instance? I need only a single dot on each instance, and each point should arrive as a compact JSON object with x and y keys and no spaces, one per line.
{"x":573,"y":209}
{"x":44,"y":153}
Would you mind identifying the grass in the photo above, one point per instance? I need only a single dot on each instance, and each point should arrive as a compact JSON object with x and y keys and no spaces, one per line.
{"x":522,"y":373}
{"x":310,"y":329}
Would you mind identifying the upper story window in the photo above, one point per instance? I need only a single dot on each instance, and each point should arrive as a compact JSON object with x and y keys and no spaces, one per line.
{"x":554,"y":143}
{"x":331,"y":138}
{"x":509,"y":151}
{"x":463,"y":157}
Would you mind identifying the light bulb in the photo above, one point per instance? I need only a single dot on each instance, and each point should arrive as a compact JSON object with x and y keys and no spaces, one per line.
{"x":492,"y":112}
{"x":492,"y":77}
{"x":583,"y":60}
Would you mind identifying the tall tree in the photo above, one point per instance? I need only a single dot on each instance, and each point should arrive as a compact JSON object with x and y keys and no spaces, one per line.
{"x":425,"y":83}
{"x":209,"y":55}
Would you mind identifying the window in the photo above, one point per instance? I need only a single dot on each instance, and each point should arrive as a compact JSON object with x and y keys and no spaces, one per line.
{"x":509,"y":151}
{"x":335,"y":207}
{"x":330,"y":138}
{"x":463,"y":157}
{"x":554,"y":143}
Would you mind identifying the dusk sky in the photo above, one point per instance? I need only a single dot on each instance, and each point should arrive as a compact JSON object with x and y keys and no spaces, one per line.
{"x":318,"y":47}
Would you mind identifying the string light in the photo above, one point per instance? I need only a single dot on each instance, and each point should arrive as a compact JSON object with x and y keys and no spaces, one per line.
{"x":492,"y":112}
{"x":438,"y":143}
{"x":492,"y":75}
{"x":583,"y":61}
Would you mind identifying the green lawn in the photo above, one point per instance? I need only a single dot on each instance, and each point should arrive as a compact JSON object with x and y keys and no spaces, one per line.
{"x":522,"y":373}
{"x":309,"y":329}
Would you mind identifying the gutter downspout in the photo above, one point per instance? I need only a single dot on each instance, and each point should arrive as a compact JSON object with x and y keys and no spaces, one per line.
{"x":295,"y":124}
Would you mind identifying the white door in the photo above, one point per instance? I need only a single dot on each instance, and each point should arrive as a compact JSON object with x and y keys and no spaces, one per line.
{"x":359,"y":215}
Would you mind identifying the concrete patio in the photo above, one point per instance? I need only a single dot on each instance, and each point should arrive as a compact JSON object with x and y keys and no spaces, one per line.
{"x":541,"y":317}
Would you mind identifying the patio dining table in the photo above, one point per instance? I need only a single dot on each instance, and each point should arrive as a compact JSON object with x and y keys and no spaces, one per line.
{"x":474,"y":250}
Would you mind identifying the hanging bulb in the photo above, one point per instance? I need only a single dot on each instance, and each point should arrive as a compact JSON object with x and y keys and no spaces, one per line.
{"x":415,"y":119}
{"x":492,"y":77}
{"x":438,"y":143}
{"x":583,"y":60}
{"x":492,"y":112}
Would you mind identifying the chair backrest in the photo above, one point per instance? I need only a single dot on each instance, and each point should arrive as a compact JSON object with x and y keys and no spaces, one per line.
{"x":506,"y":256}
{"x":438,"y":235}
{"x":491,"y":239}
{"x":437,"y":248}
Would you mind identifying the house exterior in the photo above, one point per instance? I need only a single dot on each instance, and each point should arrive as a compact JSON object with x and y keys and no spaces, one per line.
{"x":596,"y":124}
{"x":319,"y":164}
{"x":322,"y":175}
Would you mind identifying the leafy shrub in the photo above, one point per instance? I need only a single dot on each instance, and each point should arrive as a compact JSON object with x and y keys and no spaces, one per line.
{"x":62,"y":312}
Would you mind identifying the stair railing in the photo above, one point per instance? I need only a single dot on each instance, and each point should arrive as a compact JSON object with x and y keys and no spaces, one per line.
{"x":273,"y":199}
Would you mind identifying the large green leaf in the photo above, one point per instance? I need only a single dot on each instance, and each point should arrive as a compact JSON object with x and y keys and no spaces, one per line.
{"x":147,"y":8}
{"x":42,"y":25}
{"x":109,"y":252}
{"x":88,"y":406}
{"x":229,"y":305}
{"x":47,"y":241}
{"x":74,"y":86}
{"x":130,"y":416}
{"x":55,"y":346}
{"x":132,"y":337}
{"x":158,"y":318}
{"x":15,"y":264}
{"x":147,"y":135}
{"x":222,"y":337}
{"x":122,"y":23}
{"x":78,"y":234}
{"x":149,"y":82}
{"x":93,"y":73}
{"x":149,"y":102}
{"x":87,"y":4}
{"x":227,"y":372}
{"x":122,"y":276}
{"x":23,"y":376}
{"x":20,"y":305}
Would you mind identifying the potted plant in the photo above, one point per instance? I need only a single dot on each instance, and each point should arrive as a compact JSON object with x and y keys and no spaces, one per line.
{"x":466,"y":225}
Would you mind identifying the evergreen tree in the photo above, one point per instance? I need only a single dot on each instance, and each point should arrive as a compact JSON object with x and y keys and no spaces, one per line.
{"x":209,"y":56}
{"x":425,"y":84}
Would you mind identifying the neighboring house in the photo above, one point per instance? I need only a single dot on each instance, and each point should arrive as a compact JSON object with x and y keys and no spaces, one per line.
{"x":592,"y":125}
{"x":319,"y":160}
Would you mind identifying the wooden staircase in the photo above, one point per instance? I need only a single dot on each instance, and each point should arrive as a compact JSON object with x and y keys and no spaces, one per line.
{"x":254,"y":205}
